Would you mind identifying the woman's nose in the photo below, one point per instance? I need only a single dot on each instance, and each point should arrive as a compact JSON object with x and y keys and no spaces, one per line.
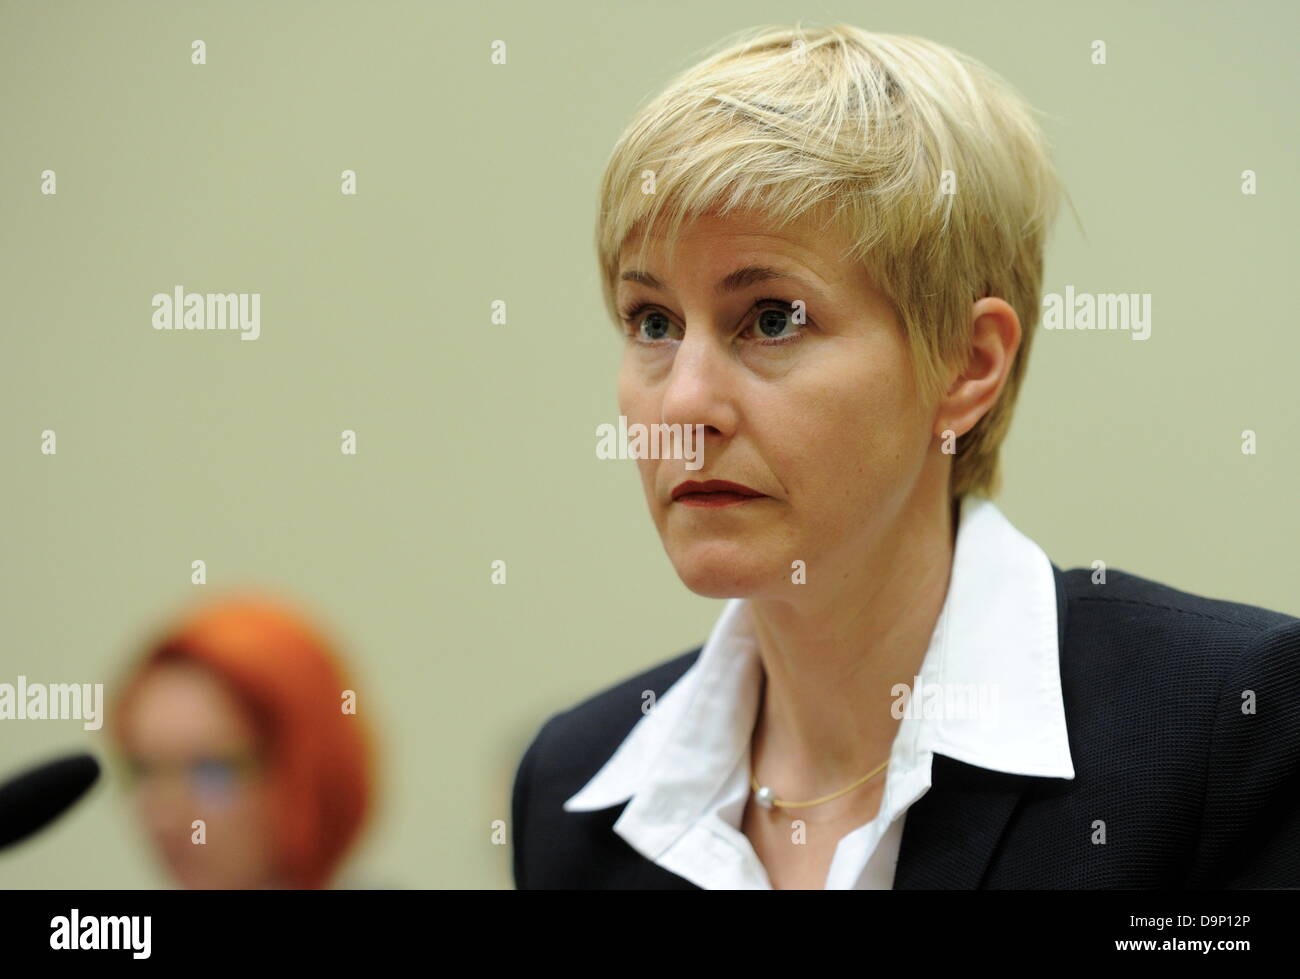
{"x":699,"y":389}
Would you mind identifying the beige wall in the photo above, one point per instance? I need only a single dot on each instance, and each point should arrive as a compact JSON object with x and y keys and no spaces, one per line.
{"x":476,"y":440}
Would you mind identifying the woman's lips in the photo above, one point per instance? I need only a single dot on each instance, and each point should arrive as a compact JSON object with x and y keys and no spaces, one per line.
{"x":714,"y":493}
{"x":715,"y":499}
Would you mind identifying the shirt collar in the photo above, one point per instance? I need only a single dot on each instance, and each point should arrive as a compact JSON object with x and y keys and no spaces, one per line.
{"x":997,"y":629}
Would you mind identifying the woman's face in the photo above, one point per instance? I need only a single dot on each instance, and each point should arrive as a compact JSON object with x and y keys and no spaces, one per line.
{"x":194,"y":754}
{"x":821,"y":418}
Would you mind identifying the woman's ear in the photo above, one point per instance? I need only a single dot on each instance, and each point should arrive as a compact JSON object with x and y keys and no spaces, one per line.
{"x":994,"y":340}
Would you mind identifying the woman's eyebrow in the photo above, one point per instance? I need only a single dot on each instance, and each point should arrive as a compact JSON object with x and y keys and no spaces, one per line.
{"x":741,"y":278}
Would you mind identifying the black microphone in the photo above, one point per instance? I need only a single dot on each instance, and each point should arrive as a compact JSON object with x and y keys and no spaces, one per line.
{"x":39,"y":795}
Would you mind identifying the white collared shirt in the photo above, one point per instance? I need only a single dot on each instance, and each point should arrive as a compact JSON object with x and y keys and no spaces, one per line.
{"x":685,"y":765}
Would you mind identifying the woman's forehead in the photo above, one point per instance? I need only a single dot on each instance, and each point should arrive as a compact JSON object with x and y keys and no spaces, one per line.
{"x":726,"y":244}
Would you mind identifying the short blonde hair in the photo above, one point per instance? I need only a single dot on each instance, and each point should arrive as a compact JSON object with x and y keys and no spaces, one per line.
{"x":789,"y":121}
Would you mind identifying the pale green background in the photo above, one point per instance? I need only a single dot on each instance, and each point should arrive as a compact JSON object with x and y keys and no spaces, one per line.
{"x":478,"y":182}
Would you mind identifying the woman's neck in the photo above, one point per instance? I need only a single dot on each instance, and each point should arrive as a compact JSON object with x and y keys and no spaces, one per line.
{"x":832,"y":656}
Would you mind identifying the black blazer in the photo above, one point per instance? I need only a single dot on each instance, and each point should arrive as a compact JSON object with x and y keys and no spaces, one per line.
{"x":1194,"y":792}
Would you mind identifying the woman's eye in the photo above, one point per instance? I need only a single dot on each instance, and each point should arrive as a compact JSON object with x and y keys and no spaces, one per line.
{"x":772,"y":321}
{"x":655,"y":326}
{"x":775,"y":322}
{"x":647,"y":325}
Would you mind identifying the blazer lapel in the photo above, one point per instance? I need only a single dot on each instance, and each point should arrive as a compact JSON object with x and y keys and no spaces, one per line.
{"x":951,"y":833}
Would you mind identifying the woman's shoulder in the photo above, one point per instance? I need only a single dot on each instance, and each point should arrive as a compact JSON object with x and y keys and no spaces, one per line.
{"x":1091,"y":597}
{"x":634,"y":688}
{"x":1184,"y":712}
{"x":1130,"y":640}
{"x":597,"y":724}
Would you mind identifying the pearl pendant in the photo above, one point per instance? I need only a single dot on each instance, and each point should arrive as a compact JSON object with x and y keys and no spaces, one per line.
{"x":765,"y":797}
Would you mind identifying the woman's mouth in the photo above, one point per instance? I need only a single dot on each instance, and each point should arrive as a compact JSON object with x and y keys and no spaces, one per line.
{"x":714,"y":493}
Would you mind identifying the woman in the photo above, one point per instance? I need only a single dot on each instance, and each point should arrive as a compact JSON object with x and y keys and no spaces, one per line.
{"x":825,"y":247}
{"x":250,"y":766}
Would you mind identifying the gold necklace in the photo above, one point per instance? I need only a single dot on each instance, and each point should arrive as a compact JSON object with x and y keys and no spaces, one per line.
{"x":766,"y":798}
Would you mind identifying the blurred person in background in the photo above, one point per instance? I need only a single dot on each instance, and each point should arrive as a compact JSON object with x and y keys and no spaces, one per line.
{"x":236,"y":717}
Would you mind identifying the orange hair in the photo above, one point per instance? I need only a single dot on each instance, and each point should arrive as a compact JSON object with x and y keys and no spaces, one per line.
{"x":288,"y":679}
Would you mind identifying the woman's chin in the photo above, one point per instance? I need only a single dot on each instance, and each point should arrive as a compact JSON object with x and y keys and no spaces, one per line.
{"x":720,"y":575}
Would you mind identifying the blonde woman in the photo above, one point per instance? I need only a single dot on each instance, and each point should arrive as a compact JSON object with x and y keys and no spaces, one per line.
{"x":825,"y":248}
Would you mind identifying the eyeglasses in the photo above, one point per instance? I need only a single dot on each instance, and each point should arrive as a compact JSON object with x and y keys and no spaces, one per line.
{"x":212,"y":778}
